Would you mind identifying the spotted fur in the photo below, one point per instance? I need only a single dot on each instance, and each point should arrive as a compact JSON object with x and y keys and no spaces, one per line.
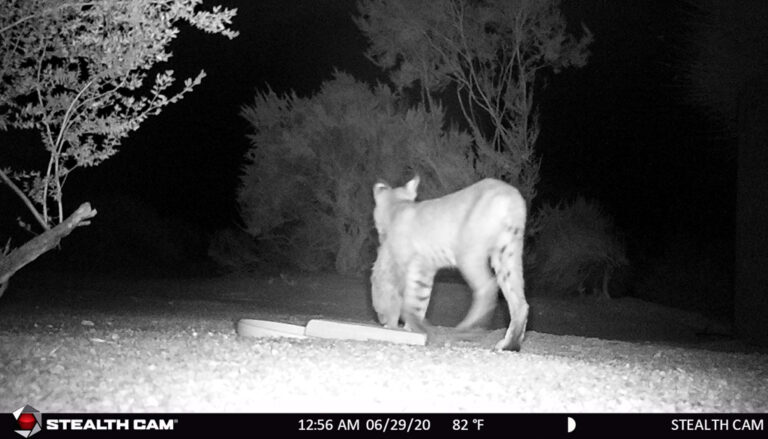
{"x":478,"y":229}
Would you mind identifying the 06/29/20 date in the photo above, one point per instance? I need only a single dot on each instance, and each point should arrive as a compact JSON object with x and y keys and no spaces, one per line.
{"x":383,"y":424}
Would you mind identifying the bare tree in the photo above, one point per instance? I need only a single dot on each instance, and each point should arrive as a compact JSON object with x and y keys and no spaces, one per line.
{"x":491,"y":54}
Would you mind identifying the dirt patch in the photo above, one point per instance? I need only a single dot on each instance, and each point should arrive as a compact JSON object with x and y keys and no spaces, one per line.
{"x":124,"y":344}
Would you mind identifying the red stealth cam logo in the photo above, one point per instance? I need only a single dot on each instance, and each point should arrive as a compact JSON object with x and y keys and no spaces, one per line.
{"x":29,"y":420}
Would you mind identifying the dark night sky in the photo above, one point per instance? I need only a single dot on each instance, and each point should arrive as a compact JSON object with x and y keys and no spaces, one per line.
{"x":616,"y":130}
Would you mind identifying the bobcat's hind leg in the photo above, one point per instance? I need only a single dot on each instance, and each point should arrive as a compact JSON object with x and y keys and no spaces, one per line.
{"x":477,"y":273}
{"x":508,"y":264}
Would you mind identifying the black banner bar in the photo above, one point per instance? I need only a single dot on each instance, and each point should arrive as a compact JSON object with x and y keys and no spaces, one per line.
{"x":565,"y":425}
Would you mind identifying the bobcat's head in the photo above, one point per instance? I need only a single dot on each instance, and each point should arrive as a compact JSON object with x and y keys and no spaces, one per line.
{"x":386,"y":199}
{"x":387,"y":303}
{"x":386,"y":289}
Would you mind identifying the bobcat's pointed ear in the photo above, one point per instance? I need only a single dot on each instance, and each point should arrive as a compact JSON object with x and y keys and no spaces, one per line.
{"x":413,"y":185}
{"x":379,"y":187}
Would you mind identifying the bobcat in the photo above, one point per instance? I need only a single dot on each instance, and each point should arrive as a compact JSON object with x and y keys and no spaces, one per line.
{"x":474,"y":229}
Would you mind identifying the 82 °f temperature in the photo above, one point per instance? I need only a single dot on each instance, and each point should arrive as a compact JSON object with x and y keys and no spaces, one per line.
{"x":474,"y":424}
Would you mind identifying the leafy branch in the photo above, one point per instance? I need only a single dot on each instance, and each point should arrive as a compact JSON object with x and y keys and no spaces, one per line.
{"x":77,"y":72}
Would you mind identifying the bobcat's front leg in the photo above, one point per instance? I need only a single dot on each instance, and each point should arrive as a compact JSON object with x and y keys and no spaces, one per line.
{"x":418,"y":291}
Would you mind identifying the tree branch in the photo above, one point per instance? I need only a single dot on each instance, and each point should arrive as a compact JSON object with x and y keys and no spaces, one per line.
{"x":44,"y":12}
{"x":24,"y":198}
{"x":32,"y":249}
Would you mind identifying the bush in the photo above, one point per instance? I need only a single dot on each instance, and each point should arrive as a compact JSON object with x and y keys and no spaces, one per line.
{"x":574,"y":249}
{"x":234,"y":250}
{"x":306,"y":185}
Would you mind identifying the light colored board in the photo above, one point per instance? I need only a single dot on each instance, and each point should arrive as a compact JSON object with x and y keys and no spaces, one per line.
{"x":266,"y":328}
{"x":359,"y":331}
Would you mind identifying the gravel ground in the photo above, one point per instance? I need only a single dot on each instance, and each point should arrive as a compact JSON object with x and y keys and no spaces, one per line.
{"x":131,"y":349}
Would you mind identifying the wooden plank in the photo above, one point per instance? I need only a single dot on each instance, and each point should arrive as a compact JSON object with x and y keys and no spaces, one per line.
{"x":266,"y":328}
{"x":361,"y":331}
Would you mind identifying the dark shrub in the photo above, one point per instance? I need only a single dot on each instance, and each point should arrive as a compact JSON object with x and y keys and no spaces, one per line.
{"x":574,"y":248}
{"x":307,"y":181}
